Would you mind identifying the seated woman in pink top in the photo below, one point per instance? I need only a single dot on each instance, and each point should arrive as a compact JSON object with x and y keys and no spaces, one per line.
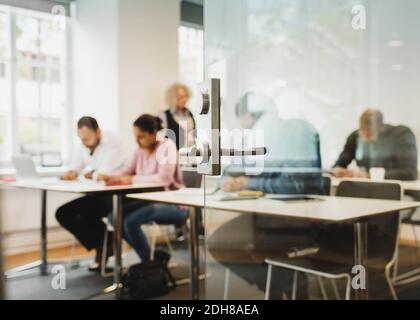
{"x":155,"y":161}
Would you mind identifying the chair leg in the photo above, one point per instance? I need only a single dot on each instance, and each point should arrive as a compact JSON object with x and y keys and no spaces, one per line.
{"x":410,"y":276}
{"x":334,"y":286}
{"x":321,"y":287}
{"x":348,"y":289}
{"x":295,"y":285}
{"x":153,"y":241}
{"x":397,"y":261}
{"x":268,"y":282}
{"x":226,"y":286}
{"x":416,"y":239}
{"x":104,"y":253}
{"x":166,"y":239}
{"x":74,"y":263}
{"x":164,"y":234}
{"x":390,"y":282}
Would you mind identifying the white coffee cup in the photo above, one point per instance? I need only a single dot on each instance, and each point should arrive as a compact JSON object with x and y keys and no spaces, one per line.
{"x":377,"y":173}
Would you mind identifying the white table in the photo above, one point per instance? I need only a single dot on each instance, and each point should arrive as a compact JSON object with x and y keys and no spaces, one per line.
{"x":89,"y":188}
{"x":330,"y":209}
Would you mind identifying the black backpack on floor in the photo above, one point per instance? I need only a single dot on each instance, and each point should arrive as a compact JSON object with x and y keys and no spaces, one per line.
{"x":150,"y":279}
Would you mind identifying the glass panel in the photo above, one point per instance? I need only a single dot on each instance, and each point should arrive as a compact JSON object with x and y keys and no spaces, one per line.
{"x":5,"y":141}
{"x":191,"y":54}
{"x":40,"y":86}
{"x":42,"y":40}
{"x":3,"y":39}
{"x":41,"y":107}
{"x":27,"y":38}
{"x":296,"y":77}
{"x":53,"y":39}
{"x":40,"y":82}
{"x":191,"y":60}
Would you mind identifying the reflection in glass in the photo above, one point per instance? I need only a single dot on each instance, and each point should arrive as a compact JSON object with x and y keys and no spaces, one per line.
{"x":303,"y":74}
{"x":378,"y":146}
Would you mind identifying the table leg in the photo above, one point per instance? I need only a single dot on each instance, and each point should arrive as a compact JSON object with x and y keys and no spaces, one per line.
{"x":360,"y":254}
{"x":117,"y":286}
{"x":117,"y":218}
{"x":194,"y":263}
{"x":44,"y":262}
{"x":41,"y":264}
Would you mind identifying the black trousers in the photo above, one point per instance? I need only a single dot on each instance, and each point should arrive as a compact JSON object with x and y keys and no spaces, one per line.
{"x":83,"y":218}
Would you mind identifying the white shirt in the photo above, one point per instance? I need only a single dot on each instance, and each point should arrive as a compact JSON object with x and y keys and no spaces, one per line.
{"x":108,"y":156}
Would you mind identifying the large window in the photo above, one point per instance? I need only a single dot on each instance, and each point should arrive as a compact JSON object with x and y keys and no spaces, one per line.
{"x":191,"y":46}
{"x":191,"y":54}
{"x":33,"y":83}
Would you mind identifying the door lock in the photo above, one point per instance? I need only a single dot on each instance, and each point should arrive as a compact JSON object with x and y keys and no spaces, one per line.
{"x":208,"y":120}
{"x":205,"y":103}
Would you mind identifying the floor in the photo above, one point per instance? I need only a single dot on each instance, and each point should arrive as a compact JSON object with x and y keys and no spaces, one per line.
{"x":12,"y":261}
{"x":82,"y":284}
{"x":79,"y":282}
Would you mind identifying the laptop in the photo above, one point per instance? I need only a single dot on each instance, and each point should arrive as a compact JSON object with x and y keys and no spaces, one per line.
{"x":26,"y":170}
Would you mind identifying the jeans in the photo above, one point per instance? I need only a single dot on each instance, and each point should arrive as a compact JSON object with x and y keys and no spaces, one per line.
{"x":158,"y":213}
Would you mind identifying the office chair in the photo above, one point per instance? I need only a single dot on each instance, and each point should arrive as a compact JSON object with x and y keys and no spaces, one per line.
{"x":109,"y":228}
{"x":74,"y":262}
{"x":326,"y":190}
{"x":412,"y":275}
{"x":192,"y":180}
{"x":382,"y":239}
{"x":326,"y":185}
{"x":156,"y":230}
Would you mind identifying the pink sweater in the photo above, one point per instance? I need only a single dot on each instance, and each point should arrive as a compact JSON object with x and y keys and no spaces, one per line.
{"x":160,"y":167}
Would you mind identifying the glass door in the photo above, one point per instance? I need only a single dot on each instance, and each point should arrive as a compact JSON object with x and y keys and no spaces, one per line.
{"x":292,"y":79}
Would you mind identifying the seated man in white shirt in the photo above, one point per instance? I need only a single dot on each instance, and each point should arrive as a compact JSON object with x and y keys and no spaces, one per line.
{"x":100,"y":153}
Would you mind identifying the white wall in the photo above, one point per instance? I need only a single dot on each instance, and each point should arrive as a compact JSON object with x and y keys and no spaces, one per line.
{"x":148,"y":57}
{"x":21,"y":219}
{"x":125,"y":55}
{"x":95,"y":61}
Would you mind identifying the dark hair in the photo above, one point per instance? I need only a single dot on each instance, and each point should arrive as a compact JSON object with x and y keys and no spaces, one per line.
{"x":88,"y":122}
{"x":148,"y":123}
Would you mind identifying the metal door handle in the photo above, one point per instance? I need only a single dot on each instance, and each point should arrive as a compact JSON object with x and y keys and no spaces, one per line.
{"x":190,"y":152}
{"x":194,"y":152}
{"x":257,"y":151}
{"x":209,"y":117}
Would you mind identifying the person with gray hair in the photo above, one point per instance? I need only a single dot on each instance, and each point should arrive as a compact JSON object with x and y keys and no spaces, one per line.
{"x":178,"y":118}
{"x":376,"y":144}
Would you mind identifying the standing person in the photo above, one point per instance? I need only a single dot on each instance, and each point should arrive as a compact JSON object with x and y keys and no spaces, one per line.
{"x":376,"y":144}
{"x":178,"y":118}
{"x":100,"y":152}
{"x":154,"y":161}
